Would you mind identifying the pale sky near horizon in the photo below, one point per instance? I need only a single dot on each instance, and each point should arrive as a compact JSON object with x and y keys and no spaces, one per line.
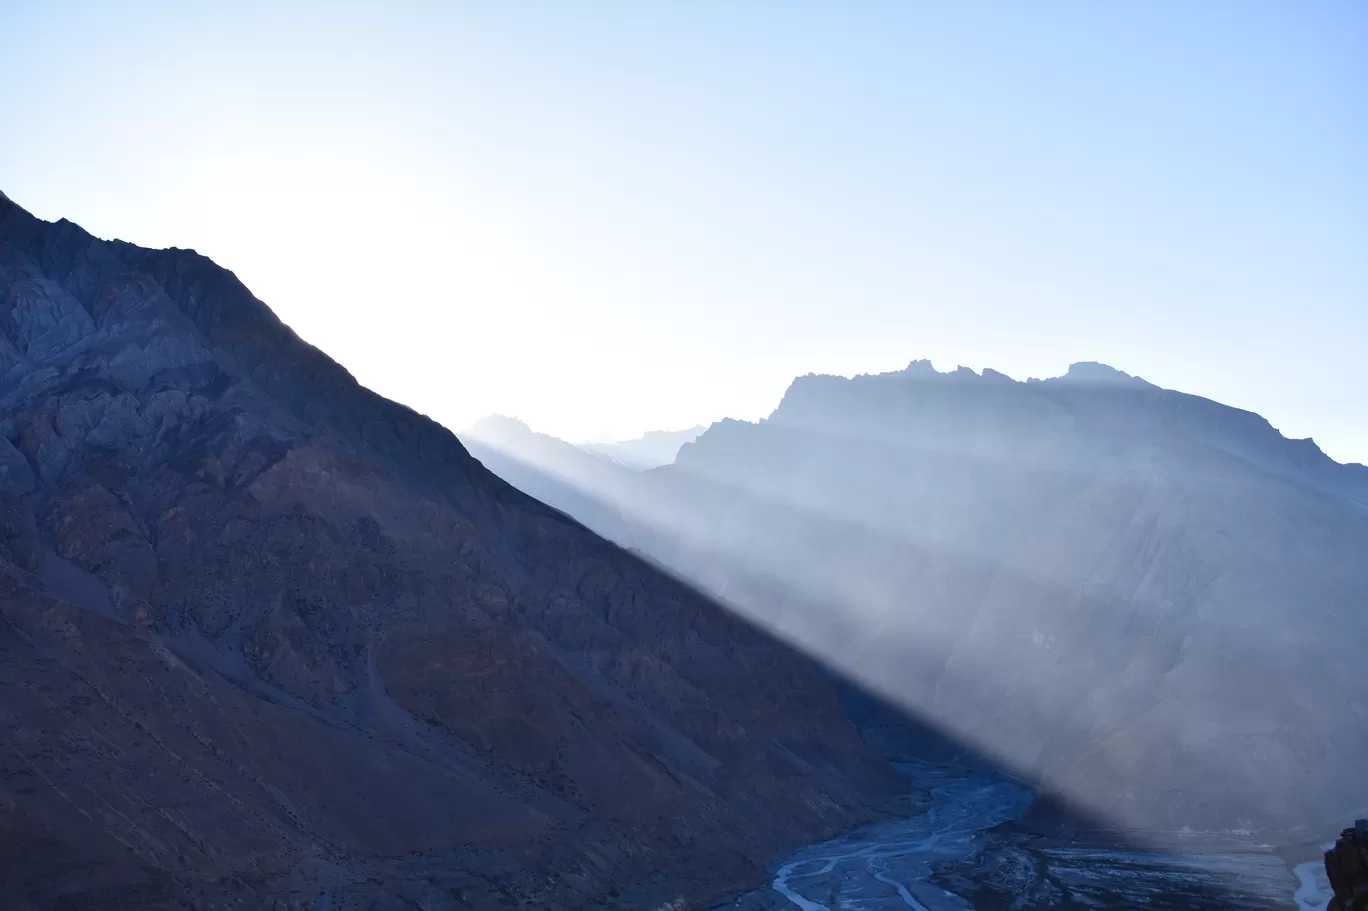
{"x":606,"y":218}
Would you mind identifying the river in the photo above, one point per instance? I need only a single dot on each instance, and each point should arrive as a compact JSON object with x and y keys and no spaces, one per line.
{"x":962,"y":850}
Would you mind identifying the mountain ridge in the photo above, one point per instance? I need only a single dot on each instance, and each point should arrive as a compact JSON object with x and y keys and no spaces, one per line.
{"x":1243,"y":433}
{"x":267,"y":634}
{"x":1125,"y":592}
{"x":1089,"y":373}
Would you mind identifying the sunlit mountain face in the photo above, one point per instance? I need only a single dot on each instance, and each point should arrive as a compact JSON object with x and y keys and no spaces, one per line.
{"x":1148,"y":602}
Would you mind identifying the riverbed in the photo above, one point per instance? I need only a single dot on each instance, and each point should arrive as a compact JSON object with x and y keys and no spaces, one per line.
{"x":962,"y":850}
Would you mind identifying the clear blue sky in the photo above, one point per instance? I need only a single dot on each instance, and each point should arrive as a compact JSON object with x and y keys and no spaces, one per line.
{"x":607,"y":217}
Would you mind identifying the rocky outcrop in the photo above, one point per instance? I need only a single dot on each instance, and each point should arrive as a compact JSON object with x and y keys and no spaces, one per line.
{"x":1346,"y":864}
{"x":270,"y":640}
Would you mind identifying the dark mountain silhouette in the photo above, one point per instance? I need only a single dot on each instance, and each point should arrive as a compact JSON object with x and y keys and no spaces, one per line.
{"x":1150,"y":602}
{"x":267,"y":637}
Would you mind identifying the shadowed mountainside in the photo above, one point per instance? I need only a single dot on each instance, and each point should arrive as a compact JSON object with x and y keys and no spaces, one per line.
{"x":265,"y":635}
{"x":1148,"y":601}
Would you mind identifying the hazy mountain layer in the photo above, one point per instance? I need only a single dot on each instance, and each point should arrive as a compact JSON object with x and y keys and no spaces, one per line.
{"x":1152,"y":602}
{"x":583,"y":484}
{"x":266,"y":636}
{"x":650,"y":450}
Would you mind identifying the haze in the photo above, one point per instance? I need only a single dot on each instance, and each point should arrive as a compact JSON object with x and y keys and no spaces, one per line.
{"x":607,"y":219}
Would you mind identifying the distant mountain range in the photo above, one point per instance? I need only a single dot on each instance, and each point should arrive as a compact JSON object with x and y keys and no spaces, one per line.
{"x":651,"y":450}
{"x":267,"y":638}
{"x":1153,"y":603}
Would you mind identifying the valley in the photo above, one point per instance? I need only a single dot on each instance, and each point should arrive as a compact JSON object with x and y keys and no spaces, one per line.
{"x":965,"y":850}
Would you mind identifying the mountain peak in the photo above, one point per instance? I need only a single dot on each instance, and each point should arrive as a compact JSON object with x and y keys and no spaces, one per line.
{"x":499,"y":427}
{"x":1093,"y":373}
{"x":500,"y":422}
{"x":922,"y":369}
{"x":919,"y":369}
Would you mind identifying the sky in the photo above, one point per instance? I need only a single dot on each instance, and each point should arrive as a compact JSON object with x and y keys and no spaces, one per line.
{"x":604,"y":218}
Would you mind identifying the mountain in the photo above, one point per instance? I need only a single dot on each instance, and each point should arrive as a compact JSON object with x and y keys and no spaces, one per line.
{"x":269,"y":639}
{"x":1149,"y":602}
{"x":592,"y":488}
{"x":651,"y":450}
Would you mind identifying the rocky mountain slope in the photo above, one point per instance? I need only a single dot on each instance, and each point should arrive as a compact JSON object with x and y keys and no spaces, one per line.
{"x":268,"y":639}
{"x":1151,"y":602}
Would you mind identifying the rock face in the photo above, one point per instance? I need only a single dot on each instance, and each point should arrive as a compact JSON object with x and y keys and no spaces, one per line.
{"x":1346,"y":864}
{"x":270,"y":640}
{"x":1141,"y":598}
